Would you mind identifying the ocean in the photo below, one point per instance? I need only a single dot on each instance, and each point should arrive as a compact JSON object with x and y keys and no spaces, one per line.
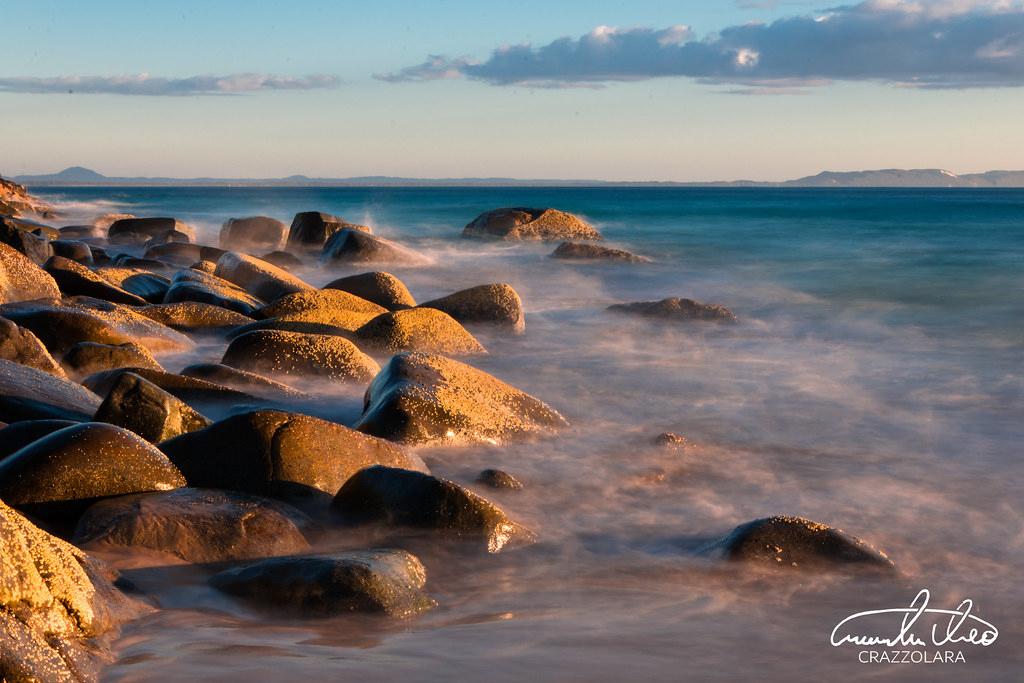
{"x":874,"y":383}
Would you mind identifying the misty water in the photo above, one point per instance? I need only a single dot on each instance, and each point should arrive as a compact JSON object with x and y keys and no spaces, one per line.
{"x":874,"y":383}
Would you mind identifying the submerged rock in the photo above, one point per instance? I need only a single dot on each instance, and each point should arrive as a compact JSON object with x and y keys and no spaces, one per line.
{"x":497,"y":304}
{"x":37,"y":394}
{"x":519,"y":223}
{"x":139,"y":405}
{"x":140,"y":230}
{"x":19,"y":345}
{"x":426,"y":398}
{"x":387,"y":581}
{"x":296,"y":353}
{"x":419,"y":329}
{"x":86,"y":358}
{"x":310,"y":230}
{"x":23,"y":280}
{"x":675,"y":308}
{"x":405,"y":498}
{"x":383,"y":289}
{"x":261,"y":279}
{"x":581,"y":251}
{"x":255,"y":233}
{"x":353,"y":246}
{"x":499,"y":479}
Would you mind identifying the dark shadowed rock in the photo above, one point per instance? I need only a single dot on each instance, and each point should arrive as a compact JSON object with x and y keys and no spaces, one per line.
{"x":16,"y":436}
{"x":497,"y":304}
{"x":86,"y":358}
{"x":271,"y":452}
{"x":189,"y":316}
{"x":25,"y":386}
{"x":426,"y":398}
{"x":188,"y":389}
{"x":413,"y":499}
{"x":243,"y":380}
{"x":261,"y":279}
{"x":19,"y":345}
{"x":149,"y":286}
{"x":353,"y":246}
{"x":195,"y":525}
{"x":182,"y":253}
{"x":297,"y":353}
{"x":385,"y":581}
{"x":73,"y":250}
{"x":23,"y":280}
{"x":284,"y":260}
{"x":499,"y":479}
{"x":383,"y":289}
{"x":311,"y":229}
{"x":17,"y":234}
{"x":141,"y":406}
{"x":255,"y":233}
{"x":200,"y":287}
{"x":582,"y":251}
{"x":78,"y":232}
{"x":141,"y":230}
{"x":519,"y":223}
{"x":419,"y":329}
{"x":677,"y":309}
{"x":75,"y":279}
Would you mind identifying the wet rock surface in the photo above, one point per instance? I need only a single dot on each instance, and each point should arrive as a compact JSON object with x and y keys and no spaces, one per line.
{"x":310,"y":230}
{"x":497,"y":304}
{"x":520,"y":223}
{"x":197,"y":286}
{"x":583,"y":251}
{"x":677,"y":309}
{"x":144,"y":408}
{"x":383,"y":289}
{"x":16,"y":436}
{"x":30,"y":386}
{"x":296,"y":353}
{"x":149,"y":286}
{"x":258,"y":277}
{"x":87,"y":358}
{"x":355,"y":246}
{"x":499,"y":479}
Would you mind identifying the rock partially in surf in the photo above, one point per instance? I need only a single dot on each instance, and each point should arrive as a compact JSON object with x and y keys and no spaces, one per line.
{"x":352,"y":246}
{"x":400,"y":497}
{"x":797,"y":543}
{"x":191,"y":316}
{"x":78,"y":232}
{"x":521,"y":223}
{"x":141,"y":406}
{"x":23,"y":280}
{"x":141,"y":230}
{"x":300,"y":354}
{"x":183,"y":253}
{"x":381,"y":581}
{"x":424,"y":398}
{"x":206,"y":288}
{"x":150,"y":286}
{"x":204,"y":266}
{"x":17,"y":235}
{"x":195,"y":525}
{"x":419,"y":329}
{"x":497,"y":304}
{"x":27,"y":393}
{"x":243,"y":380}
{"x":284,"y":260}
{"x":671,"y":440}
{"x":677,"y":309}
{"x":325,"y":306}
{"x":310,"y":230}
{"x":255,"y":233}
{"x":261,"y":279}
{"x":582,"y":251}
{"x":19,"y":345}
{"x":72,"y":250}
{"x":189,"y":389}
{"x":86,"y":358}
{"x":73,"y":278}
{"x":383,"y":289}
{"x":271,"y":452}
{"x":499,"y":479}
{"x":16,"y":436}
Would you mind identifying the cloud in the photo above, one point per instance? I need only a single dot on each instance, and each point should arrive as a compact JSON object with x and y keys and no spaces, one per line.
{"x":914,"y":43}
{"x":144,"y":84}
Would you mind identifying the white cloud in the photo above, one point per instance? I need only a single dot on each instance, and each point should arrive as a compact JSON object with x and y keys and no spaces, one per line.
{"x":144,"y":84}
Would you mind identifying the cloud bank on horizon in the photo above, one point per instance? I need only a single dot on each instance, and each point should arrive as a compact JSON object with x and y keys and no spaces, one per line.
{"x":145,"y":84}
{"x":911,"y":43}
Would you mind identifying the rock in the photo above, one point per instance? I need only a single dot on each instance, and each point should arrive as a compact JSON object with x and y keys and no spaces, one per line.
{"x":54,"y":602}
{"x":19,"y":345}
{"x":200,"y":287}
{"x":677,"y":309}
{"x":671,"y":440}
{"x":496,"y":304}
{"x":42,"y":394}
{"x":383,"y":289}
{"x":190,"y":316}
{"x":73,"y":250}
{"x":388,"y":581}
{"x":103,"y":223}
{"x":16,"y":200}
{"x":311,"y":229}
{"x":23,"y":280}
{"x":499,"y":479}
{"x":519,"y":223}
{"x":249,"y":382}
{"x":325,"y":306}
{"x":300,"y":326}
{"x":413,"y":499}
{"x":16,"y":436}
{"x":18,"y":235}
{"x":798,"y":543}
{"x":578,"y":251}
{"x":75,"y":279}
{"x":271,"y":452}
{"x":282,"y":259}
{"x":208,"y":267}
{"x":261,"y":279}
{"x":426,"y":398}
{"x":77,"y":232}
{"x":169,"y":237}
{"x":139,"y":230}
{"x":55,"y":478}
{"x":149,"y":286}
{"x":176,"y":253}
{"x":353,"y":246}
{"x":419,"y":329}
{"x":140,"y":264}
{"x":296,"y":353}
{"x":144,"y":408}
{"x":195,"y":525}
{"x":189,"y":389}
{"x":86,"y":358}
{"x":255,"y":233}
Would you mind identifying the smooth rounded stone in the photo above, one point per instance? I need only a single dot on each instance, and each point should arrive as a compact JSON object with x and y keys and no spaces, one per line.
{"x":497,"y":304}
{"x":140,"y":263}
{"x":195,"y":525}
{"x":419,"y":329}
{"x":243,"y":380}
{"x":193,"y":315}
{"x":581,"y":251}
{"x":103,"y":223}
{"x":73,"y":278}
{"x":297,"y":353}
{"x":27,"y":386}
{"x":296,"y":325}
{"x":423,"y":398}
{"x":272,"y":452}
{"x":73,"y":250}
{"x":383,"y":289}
{"x":400,"y":497}
{"x":77,"y":232}
{"x":17,"y":234}
{"x":141,"y":406}
{"x":284,"y":260}
{"x":56,"y":477}
{"x":261,"y":279}
{"x":23,"y":280}
{"x":311,"y":229}
{"x":255,"y":233}
{"x":19,"y":345}
{"x":677,"y":309}
{"x":169,"y":237}
{"x":521,"y":223}
{"x":798,"y":543}
{"x":188,"y":389}
{"x":177,"y":253}
{"x":206,"y":288}
{"x":325,"y":306}
{"x":149,"y":286}
{"x":54,"y":602}
{"x":16,"y":436}
{"x":129,"y":230}
{"x":354,"y":246}
{"x":499,"y":479}
{"x":382,"y":581}
{"x":86,"y":358}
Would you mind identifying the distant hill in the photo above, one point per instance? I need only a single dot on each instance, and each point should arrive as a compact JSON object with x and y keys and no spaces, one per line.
{"x":894,"y":177}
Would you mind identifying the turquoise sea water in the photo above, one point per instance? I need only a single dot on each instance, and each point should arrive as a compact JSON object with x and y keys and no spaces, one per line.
{"x":874,"y":383}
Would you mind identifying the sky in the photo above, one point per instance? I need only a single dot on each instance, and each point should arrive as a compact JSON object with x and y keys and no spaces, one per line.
{"x":626,"y":90}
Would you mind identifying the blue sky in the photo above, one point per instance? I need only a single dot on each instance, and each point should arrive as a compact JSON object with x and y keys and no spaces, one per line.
{"x":679,"y":90}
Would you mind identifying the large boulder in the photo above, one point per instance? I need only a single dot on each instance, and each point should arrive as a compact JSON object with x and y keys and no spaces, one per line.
{"x":325,"y":306}
{"x":191,"y":390}
{"x":55,"y":478}
{"x":23,"y":280}
{"x":28,"y":393}
{"x":141,"y":406}
{"x":18,"y":235}
{"x":197,"y":286}
{"x":73,"y":250}
{"x":582,"y":251}
{"x":383,"y":581}
{"x":413,"y":499}
{"x":19,"y":345}
{"x":425,"y":398}
{"x":353,"y":246}
{"x":283,"y":259}
{"x":261,"y":279}
{"x":677,"y":309}
{"x":311,"y":229}
{"x":195,"y":525}
{"x":419,"y":329}
{"x":86,"y":358}
{"x":383,"y":289}
{"x":521,"y":223}
{"x":271,"y":452}
{"x":141,"y":230}
{"x":497,"y":304}
{"x":255,"y":233}
{"x":190,"y":316}
{"x":16,"y":436}
{"x":300,"y":354}
{"x":789,"y":543}
{"x":243,"y":380}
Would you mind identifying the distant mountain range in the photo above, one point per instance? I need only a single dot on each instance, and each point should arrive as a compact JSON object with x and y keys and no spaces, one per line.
{"x":927,"y":177}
